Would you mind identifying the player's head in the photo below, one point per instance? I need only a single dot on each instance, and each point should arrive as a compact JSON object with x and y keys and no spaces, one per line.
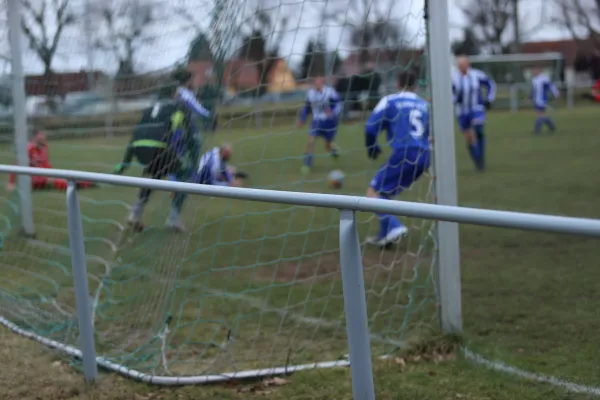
{"x":407,"y":80}
{"x":463,"y":64}
{"x":39,"y":138}
{"x":226,"y":151}
{"x":183,"y":77}
{"x":536,"y":71}
{"x":319,"y":82}
{"x":167,"y":91}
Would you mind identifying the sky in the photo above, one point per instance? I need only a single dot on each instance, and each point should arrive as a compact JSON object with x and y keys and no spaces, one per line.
{"x":170,"y":38}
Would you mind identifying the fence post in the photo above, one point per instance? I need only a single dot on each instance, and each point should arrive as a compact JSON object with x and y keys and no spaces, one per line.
{"x":355,"y":305}
{"x":20,"y":115}
{"x":80,"y":280}
{"x":448,"y":254}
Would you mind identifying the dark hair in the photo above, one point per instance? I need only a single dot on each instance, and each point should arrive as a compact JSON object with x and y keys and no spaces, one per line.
{"x":167,"y":91}
{"x":407,"y":79}
{"x":181,"y":75}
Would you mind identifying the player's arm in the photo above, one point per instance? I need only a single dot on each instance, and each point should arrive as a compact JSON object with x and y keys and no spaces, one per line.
{"x":376,"y":123}
{"x":304,"y":111}
{"x":334,"y":103}
{"x":553,"y":89}
{"x":490,"y":86}
{"x":127,"y":158}
{"x":188,"y":98}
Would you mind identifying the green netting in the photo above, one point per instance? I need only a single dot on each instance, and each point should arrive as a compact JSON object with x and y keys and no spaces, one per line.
{"x":250,"y":285}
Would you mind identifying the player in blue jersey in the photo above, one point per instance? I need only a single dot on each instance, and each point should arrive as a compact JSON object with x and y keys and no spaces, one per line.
{"x":470,"y":103}
{"x":541,"y":89}
{"x":405,"y":118}
{"x":324,"y":102}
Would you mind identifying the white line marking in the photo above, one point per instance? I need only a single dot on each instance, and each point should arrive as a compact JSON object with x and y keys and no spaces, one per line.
{"x":500,"y":366}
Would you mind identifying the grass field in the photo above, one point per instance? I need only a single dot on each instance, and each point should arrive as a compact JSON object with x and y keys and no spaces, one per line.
{"x":529,"y":298}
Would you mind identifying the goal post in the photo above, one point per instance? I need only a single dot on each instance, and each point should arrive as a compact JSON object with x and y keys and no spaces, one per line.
{"x":442,"y":120}
{"x":249,"y":288}
{"x":513,"y":74}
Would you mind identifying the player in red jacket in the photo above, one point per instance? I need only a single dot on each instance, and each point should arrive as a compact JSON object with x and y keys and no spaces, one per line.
{"x":37,"y":149}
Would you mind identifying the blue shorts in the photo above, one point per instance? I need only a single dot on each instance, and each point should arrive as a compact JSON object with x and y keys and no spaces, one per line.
{"x":402,"y":169}
{"x":540,"y":107}
{"x":327,"y":129}
{"x":469,"y":120}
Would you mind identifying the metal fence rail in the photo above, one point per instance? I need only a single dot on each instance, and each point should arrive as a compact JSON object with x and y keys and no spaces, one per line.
{"x":350,"y":259}
{"x":463,"y":215}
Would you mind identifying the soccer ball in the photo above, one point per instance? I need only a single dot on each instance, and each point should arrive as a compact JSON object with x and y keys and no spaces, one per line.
{"x":336,"y":179}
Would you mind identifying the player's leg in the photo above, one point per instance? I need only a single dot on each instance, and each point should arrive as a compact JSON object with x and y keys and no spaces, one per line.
{"x":478,"y":123}
{"x":40,"y":182}
{"x":329,"y":136}
{"x":310,"y":148}
{"x":392,"y":178}
{"x":154,"y":171}
{"x":465,"y":124}
{"x":181,"y":174}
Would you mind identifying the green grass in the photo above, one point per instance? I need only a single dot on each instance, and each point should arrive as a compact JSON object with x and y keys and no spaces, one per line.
{"x":529,"y":298}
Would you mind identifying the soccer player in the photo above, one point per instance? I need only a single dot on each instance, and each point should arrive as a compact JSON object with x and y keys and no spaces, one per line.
{"x":467,"y":89}
{"x":213,"y":168}
{"x":37,"y":149}
{"x":541,"y":87}
{"x":405,"y":118}
{"x":165,"y":142}
{"x":325,"y":105}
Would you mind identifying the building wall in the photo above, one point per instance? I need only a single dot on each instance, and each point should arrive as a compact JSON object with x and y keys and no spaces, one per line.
{"x":282,"y":79}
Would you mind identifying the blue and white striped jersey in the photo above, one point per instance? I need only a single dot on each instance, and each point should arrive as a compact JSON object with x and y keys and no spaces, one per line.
{"x":212,"y":170}
{"x":467,"y":91}
{"x":324,"y":104}
{"x":541,"y":88}
{"x":405,"y":118}
{"x":187,"y":97}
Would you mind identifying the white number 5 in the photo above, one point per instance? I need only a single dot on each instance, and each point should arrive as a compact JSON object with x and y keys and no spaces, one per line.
{"x":416,"y":123}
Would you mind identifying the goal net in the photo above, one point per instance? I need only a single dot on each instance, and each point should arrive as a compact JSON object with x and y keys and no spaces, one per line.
{"x":249,"y":286}
{"x":513,"y":74}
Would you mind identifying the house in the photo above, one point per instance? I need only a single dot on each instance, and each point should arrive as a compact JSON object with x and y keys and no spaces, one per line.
{"x":579,"y":60}
{"x":244,"y":75}
{"x":60,"y":84}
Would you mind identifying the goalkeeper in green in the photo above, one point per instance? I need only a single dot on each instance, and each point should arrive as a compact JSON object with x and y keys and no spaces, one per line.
{"x":166,"y":142}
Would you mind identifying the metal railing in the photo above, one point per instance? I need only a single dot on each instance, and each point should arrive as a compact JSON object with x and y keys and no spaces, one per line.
{"x":350,"y":254}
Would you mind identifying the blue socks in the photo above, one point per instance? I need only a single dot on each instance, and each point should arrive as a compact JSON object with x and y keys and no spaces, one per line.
{"x":480,"y":146}
{"x":540,"y":121}
{"x":387,"y":222}
{"x":477,"y":150}
{"x":308,"y":157}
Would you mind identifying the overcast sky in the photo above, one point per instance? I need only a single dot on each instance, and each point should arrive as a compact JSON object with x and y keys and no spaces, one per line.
{"x":172,"y":38}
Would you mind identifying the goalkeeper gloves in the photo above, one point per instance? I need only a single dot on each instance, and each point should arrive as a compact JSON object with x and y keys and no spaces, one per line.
{"x":487,"y":104}
{"x":119,"y":169}
{"x":373,"y":151}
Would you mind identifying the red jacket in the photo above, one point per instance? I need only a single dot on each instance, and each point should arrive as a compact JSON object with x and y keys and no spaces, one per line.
{"x":38,"y":158}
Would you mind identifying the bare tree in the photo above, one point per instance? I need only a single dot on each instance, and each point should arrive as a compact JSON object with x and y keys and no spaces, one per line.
{"x":44,"y":23}
{"x":490,"y":21}
{"x":498,"y":26}
{"x":261,"y":31}
{"x":581,"y":18}
{"x":369,"y":23}
{"x":126,"y":27}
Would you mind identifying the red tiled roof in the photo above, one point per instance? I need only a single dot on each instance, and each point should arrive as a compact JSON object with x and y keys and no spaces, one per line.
{"x":239,"y":73}
{"x":568,"y":48}
{"x":58,"y":83}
